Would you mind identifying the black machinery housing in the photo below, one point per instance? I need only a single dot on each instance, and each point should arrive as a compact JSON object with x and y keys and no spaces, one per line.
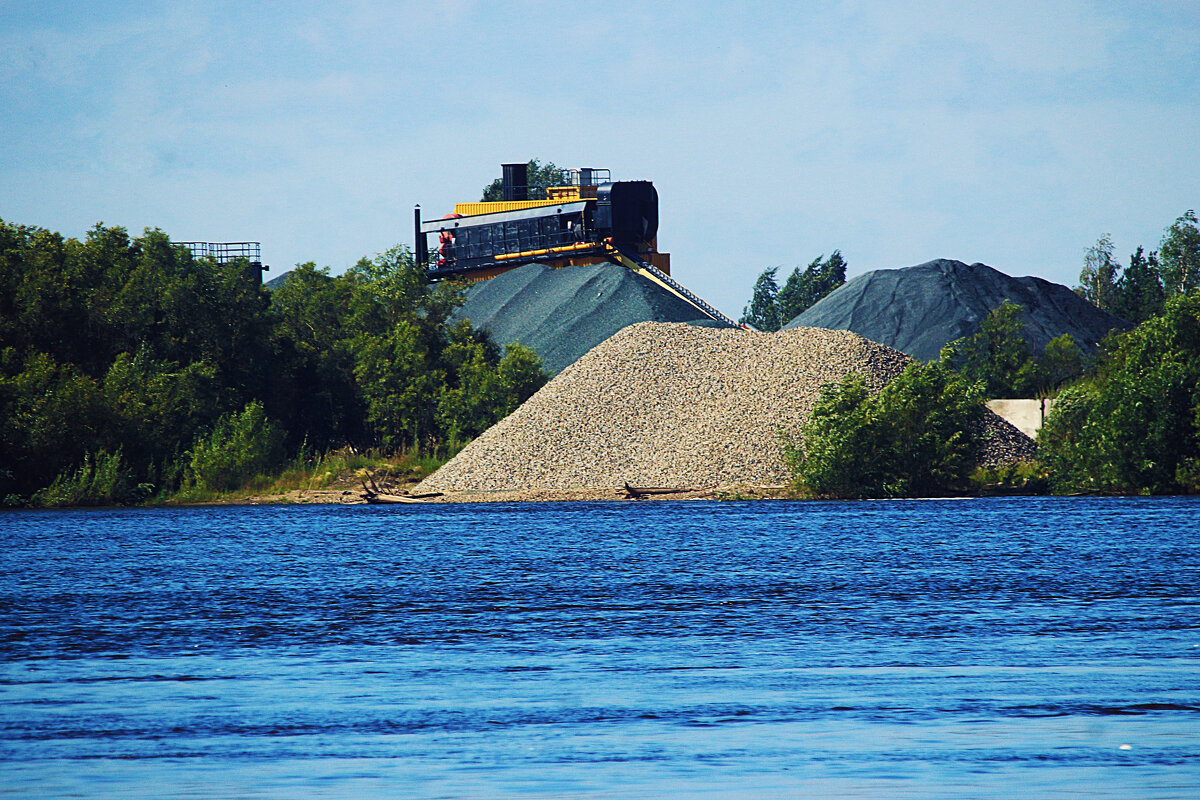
{"x":622,"y":213}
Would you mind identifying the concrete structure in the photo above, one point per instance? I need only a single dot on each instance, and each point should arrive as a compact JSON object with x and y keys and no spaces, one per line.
{"x":1026,"y":416}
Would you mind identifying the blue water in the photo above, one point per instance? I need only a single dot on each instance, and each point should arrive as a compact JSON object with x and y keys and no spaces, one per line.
{"x":977,"y":648}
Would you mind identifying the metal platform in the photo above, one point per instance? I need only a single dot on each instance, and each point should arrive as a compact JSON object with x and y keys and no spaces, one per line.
{"x":225,"y":252}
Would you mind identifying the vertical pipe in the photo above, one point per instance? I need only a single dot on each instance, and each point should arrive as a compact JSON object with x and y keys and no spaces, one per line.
{"x":420,"y":247}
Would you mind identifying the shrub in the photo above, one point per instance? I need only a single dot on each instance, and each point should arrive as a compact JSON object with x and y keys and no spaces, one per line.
{"x":919,"y":436}
{"x":240,"y":447}
{"x":842,"y":452}
{"x":100,"y":481}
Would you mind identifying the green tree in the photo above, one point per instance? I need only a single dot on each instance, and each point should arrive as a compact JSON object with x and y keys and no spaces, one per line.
{"x":763,"y":311}
{"x":1180,"y":255}
{"x":472,"y":392}
{"x":1061,"y":361}
{"x":53,"y":416}
{"x":121,"y":358}
{"x":315,"y":348}
{"x":521,"y":375}
{"x":803,"y":289}
{"x":537,"y":176}
{"x":1067,"y":441}
{"x":401,"y":333}
{"x":391,"y":288}
{"x":935,"y":416}
{"x":845,"y":452}
{"x":156,"y":408}
{"x":1098,"y":279}
{"x":919,"y":436}
{"x":45,"y":302}
{"x":400,"y":386}
{"x":1134,"y":426}
{"x":1139,"y":290}
{"x":999,"y":359}
{"x":998,"y":356}
{"x":794,"y":293}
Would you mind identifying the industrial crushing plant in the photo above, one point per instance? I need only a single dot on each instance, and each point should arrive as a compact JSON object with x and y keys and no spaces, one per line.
{"x":592,"y":220}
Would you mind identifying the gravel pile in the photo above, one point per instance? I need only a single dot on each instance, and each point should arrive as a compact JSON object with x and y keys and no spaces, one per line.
{"x":673,"y":405}
{"x":563,"y":313}
{"x":917,"y":310}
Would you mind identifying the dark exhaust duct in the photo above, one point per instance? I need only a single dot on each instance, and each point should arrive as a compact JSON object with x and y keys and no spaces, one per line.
{"x":516,"y":181}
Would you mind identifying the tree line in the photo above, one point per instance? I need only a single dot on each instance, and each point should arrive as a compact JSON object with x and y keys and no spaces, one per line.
{"x":1139,"y":291}
{"x":772,"y":306}
{"x":130,"y":369}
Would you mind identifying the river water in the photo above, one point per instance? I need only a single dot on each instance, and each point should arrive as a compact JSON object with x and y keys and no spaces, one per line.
{"x":1042,"y":647}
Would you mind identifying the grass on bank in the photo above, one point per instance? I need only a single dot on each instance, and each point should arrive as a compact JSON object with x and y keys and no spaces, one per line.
{"x":104,"y":480}
{"x":337,"y":469}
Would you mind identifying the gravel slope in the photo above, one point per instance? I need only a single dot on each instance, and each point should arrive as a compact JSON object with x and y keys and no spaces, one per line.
{"x":670,"y":404}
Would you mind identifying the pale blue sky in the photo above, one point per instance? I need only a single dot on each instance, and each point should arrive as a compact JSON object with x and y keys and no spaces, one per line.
{"x":1012,"y":133}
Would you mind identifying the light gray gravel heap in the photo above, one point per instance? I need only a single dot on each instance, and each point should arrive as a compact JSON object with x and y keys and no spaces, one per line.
{"x":673,"y":405}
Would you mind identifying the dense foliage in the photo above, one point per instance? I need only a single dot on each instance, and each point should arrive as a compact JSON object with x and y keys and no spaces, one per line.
{"x":917,"y":437}
{"x":1138,"y":291}
{"x":1134,"y":426}
{"x":1000,"y":359}
{"x":771,"y":307}
{"x":129,"y":369}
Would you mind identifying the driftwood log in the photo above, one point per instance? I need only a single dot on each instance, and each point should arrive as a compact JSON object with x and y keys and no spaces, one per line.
{"x":400,"y":498}
{"x":641,"y":492}
{"x":373,"y":494}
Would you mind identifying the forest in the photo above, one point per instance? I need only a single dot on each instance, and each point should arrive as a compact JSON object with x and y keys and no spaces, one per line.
{"x":131,"y":371}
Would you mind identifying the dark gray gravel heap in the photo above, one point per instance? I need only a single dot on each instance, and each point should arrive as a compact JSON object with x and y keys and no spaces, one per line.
{"x":917,"y":310}
{"x":278,"y":280}
{"x":563,"y":313}
{"x":680,"y":406}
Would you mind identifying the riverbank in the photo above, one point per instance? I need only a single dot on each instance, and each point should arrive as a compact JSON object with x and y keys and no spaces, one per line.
{"x":362,"y":486}
{"x":345,"y":496}
{"x":1019,"y":481}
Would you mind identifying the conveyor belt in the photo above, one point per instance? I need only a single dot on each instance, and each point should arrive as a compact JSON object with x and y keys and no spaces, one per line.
{"x":650,"y":272}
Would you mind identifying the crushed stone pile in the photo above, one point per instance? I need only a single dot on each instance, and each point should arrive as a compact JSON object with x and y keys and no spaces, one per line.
{"x":676,"y":405}
{"x":563,"y":313}
{"x":918,"y":310}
